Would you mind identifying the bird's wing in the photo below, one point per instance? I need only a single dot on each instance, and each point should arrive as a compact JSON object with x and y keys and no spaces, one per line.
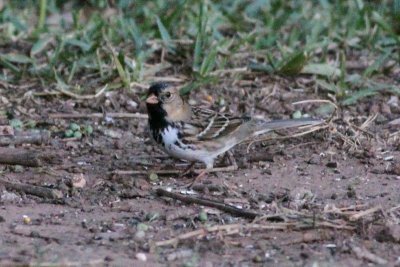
{"x":207,"y":124}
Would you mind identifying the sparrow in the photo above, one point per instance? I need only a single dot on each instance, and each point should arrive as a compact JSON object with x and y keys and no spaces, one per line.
{"x":197,"y":134}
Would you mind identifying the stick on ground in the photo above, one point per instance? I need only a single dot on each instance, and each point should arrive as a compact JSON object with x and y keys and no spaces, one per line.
{"x":363,"y":253}
{"x":229,"y":229}
{"x":39,"y":191}
{"x":97,"y":115}
{"x":209,"y":203}
{"x":34,"y":137}
{"x":27,"y":158}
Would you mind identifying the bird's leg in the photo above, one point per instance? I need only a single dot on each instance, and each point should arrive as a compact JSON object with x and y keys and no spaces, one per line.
{"x":231,"y":160}
{"x":203,"y":173}
{"x":187,"y":170}
{"x":197,"y":178}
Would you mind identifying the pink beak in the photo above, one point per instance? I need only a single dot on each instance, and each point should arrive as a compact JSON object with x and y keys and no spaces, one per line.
{"x":152,"y":99}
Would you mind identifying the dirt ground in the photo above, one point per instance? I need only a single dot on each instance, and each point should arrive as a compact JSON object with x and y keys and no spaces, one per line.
{"x":329,"y":198}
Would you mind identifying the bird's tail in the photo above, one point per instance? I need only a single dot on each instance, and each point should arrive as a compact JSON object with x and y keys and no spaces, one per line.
{"x":266,"y":126}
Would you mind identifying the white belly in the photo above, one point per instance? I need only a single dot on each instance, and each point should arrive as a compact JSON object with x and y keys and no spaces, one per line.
{"x":174,"y":147}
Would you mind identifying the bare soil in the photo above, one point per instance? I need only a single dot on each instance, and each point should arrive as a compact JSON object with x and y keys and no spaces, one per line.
{"x":309,"y":186}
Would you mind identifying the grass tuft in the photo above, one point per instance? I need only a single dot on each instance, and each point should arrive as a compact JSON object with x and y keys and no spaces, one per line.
{"x":120,"y":42}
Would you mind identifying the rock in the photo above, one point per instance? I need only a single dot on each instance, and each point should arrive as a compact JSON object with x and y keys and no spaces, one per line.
{"x":139,"y":235}
{"x":300,"y":197}
{"x":393,"y":101}
{"x":332,"y":164}
{"x":315,"y":159}
{"x":141,"y":256}
{"x":180,"y":254}
{"x":9,"y":197}
{"x":112,"y":133}
{"x":78,"y":180}
{"x":380,"y":119}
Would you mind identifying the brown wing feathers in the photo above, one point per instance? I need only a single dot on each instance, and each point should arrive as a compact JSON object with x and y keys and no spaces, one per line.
{"x":214,"y":125}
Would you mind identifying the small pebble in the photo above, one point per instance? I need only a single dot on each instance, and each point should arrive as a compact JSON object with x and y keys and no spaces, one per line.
{"x":203,"y":216}
{"x":142,"y":227}
{"x":139,"y":235}
{"x":26,"y":219}
{"x":78,"y":180}
{"x":388,"y":158}
{"x":153,"y":177}
{"x":141,"y":256}
{"x":332,"y":164}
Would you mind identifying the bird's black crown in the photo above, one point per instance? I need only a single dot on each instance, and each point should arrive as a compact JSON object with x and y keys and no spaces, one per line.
{"x":156,"y":88}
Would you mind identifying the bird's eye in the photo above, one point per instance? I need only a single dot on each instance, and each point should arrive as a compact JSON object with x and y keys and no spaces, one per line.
{"x":167,"y":94}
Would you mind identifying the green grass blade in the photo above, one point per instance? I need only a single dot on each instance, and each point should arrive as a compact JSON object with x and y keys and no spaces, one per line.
{"x":16,"y":58}
{"x":42,"y":14}
{"x":378,"y":63}
{"x":40,"y":45}
{"x":5,"y":63}
{"x":164,"y":34}
{"x":325,"y":70}
{"x":294,"y":64}
{"x":356,"y":96}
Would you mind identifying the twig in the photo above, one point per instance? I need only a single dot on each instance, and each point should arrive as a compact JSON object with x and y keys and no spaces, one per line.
{"x":309,"y":236}
{"x":94,"y":262}
{"x":97,"y":115}
{"x":82,"y":97}
{"x":176,"y":41}
{"x":208,"y":187}
{"x":168,"y":79}
{"x":39,"y":191}
{"x":209,"y":203}
{"x":228,"y":228}
{"x":145,"y":172}
{"x":28,"y":158}
{"x":46,"y":93}
{"x":363,"y":253}
{"x":132,"y":172}
{"x":18,"y":138}
{"x":229,"y":71}
{"x":364,"y":213}
{"x":316,"y":101}
{"x":140,"y":85}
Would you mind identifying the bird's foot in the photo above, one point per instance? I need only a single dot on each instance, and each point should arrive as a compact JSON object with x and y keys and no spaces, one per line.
{"x":187,"y":170}
{"x":231,"y":160}
{"x":206,"y":171}
{"x":197,"y":178}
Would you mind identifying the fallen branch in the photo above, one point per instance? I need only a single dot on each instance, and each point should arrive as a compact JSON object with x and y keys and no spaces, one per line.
{"x":363,"y":253}
{"x":146,"y":172}
{"x":364,"y":213}
{"x":228,"y":228}
{"x":310,"y":236}
{"x":82,"y":97}
{"x":131,"y":172}
{"x":18,"y":138}
{"x":27,"y":158}
{"x":209,"y":203}
{"x":209,"y":187}
{"x":97,"y":115}
{"x":39,"y":191}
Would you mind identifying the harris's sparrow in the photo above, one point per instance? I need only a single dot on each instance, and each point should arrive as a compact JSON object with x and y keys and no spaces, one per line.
{"x":201,"y":135}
